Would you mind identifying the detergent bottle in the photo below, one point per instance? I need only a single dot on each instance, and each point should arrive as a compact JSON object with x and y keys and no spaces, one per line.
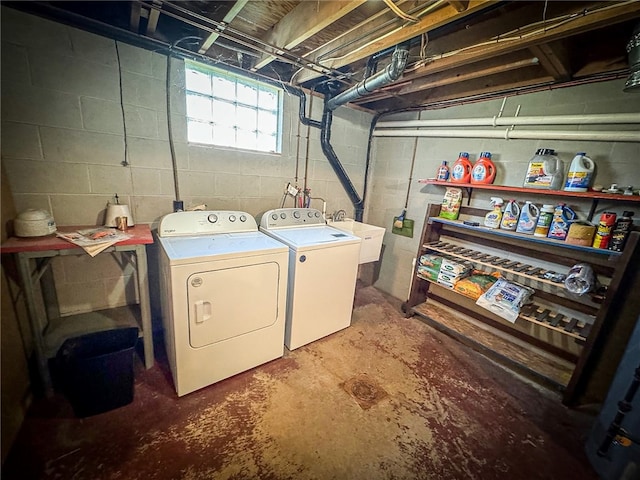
{"x":443,"y":172}
{"x":580,"y":173}
{"x":510,"y":216}
{"x":493,"y":218}
{"x":484,"y":171}
{"x":528,"y":218}
{"x":562,"y":216}
{"x":461,"y":169}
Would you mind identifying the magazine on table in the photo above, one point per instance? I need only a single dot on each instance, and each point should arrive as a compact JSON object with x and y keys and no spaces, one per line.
{"x":94,"y":240}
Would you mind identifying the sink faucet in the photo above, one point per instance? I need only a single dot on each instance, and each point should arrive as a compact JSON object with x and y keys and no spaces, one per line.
{"x":338,"y":216}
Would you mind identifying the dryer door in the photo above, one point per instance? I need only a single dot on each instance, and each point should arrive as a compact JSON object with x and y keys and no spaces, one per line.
{"x":230,"y":302}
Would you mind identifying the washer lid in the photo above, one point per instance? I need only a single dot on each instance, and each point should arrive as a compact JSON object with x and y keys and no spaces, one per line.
{"x":203,"y":248}
{"x":309,"y":236}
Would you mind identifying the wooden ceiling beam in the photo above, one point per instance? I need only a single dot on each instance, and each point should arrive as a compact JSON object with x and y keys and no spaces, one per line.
{"x":438,"y":18}
{"x":615,"y":13}
{"x":459,"y":5}
{"x":231,"y":14}
{"x":134,"y":17}
{"x":154,"y":16}
{"x":554,"y":59}
{"x":304,"y":21}
{"x":466,"y":90}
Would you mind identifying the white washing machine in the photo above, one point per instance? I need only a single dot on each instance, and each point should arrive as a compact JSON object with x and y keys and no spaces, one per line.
{"x":223,"y":295}
{"x":323,"y":268}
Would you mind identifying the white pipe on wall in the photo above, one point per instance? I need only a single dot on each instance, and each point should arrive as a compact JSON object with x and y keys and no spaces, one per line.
{"x":599,"y":119}
{"x":508,"y":134}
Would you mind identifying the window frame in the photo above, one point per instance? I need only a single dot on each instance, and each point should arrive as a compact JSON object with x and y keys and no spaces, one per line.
{"x":238,"y":80}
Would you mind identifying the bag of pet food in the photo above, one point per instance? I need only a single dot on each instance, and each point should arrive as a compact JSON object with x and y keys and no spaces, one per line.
{"x":476,"y":284}
{"x":428,"y":273}
{"x":504,"y":298}
{"x":451,"y":203}
{"x":432,"y":261}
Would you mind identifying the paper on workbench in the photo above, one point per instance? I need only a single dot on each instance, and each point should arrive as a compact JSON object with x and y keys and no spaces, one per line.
{"x":94,"y":240}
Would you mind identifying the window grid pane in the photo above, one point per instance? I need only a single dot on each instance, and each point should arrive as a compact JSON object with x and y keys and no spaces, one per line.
{"x":232,"y":111}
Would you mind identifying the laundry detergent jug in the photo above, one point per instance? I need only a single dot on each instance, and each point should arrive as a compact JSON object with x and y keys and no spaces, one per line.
{"x":580,"y":173}
{"x":562,"y":216}
{"x":545,"y":170}
{"x":484,"y":171}
{"x":461,"y":169}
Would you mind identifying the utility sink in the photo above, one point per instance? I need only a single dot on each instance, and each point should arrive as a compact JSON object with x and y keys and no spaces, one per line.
{"x":371,"y":236}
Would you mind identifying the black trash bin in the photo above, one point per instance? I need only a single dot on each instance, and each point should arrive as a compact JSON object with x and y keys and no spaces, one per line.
{"x":96,"y":370}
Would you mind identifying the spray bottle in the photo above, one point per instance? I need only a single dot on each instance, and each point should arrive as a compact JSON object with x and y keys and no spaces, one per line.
{"x":493,"y":218}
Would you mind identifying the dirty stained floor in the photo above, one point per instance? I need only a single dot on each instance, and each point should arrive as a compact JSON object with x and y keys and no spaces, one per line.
{"x":387,"y":398}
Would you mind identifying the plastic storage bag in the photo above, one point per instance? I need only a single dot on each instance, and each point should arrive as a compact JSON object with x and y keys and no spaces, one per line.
{"x":504,"y":298}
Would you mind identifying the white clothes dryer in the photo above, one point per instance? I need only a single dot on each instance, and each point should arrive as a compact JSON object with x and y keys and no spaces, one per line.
{"x":223,"y":295}
{"x":323,"y":269}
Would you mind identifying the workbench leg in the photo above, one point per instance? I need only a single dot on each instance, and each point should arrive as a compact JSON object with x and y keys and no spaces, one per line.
{"x":49,"y":295}
{"x":145,"y":307}
{"x":36,"y":330}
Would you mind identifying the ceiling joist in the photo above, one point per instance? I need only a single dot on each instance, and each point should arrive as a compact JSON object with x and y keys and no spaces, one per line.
{"x":304,"y":21}
{"x":458,"y":49}
{"x":443,"y":15}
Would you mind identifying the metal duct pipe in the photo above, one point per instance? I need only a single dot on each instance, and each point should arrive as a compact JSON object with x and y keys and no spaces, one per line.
{"x":327,"y":149}
{"x":302,"y":109}
{"x":508,"y":134}
{"x":390,"y":74}
{"x":593,"y":119}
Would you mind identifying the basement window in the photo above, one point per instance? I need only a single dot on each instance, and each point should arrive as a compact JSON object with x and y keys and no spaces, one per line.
{"x":230,"y":110}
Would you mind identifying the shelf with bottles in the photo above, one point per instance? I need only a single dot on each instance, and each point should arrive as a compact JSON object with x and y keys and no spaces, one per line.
{"x":555,"y":322}
{"x":475,"y":228}
{"x":593,"y":196}
{"x":534,"y":191}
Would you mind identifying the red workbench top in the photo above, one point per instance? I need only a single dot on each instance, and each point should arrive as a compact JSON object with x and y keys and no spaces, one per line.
{"x":140,"y":235}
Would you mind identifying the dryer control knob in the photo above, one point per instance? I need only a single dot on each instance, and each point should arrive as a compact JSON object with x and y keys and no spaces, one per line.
{"x":213,"y":218}
{"x":232,"y":218}
{"x":296,"y":214}
{"x":243,"y":218}
{"x":283,"y":215}
{"x":309,"y":214}
{"x":317,"y":214}
{"x":274,"y":216}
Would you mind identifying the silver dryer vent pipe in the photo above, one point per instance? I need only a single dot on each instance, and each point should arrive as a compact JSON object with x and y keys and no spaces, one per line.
{"x":391,"y":73}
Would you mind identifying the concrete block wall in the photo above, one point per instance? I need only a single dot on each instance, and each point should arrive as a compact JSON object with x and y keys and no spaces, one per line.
{"x":63,"y":145}
{"x":616,"y":162}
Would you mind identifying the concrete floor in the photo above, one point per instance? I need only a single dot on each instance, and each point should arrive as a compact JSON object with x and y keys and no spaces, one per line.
{"x":387,"y":398}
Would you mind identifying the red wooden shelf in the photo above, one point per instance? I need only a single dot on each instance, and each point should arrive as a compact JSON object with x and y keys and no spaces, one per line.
{"x":560,"y":193}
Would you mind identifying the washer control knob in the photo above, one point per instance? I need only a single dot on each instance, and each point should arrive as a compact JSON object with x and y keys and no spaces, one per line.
{"x":317,"y":214}
{"x":213,"y":218}
{"x":232,"y":218}
{"x":309,"y":214}
{"x":296,"y":214}
{"x":243,"y":218}
{"x":283,"y":215}
{"x":274,"y":216}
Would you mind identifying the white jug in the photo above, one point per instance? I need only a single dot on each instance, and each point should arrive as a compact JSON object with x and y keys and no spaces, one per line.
{"x":580,"y":173}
